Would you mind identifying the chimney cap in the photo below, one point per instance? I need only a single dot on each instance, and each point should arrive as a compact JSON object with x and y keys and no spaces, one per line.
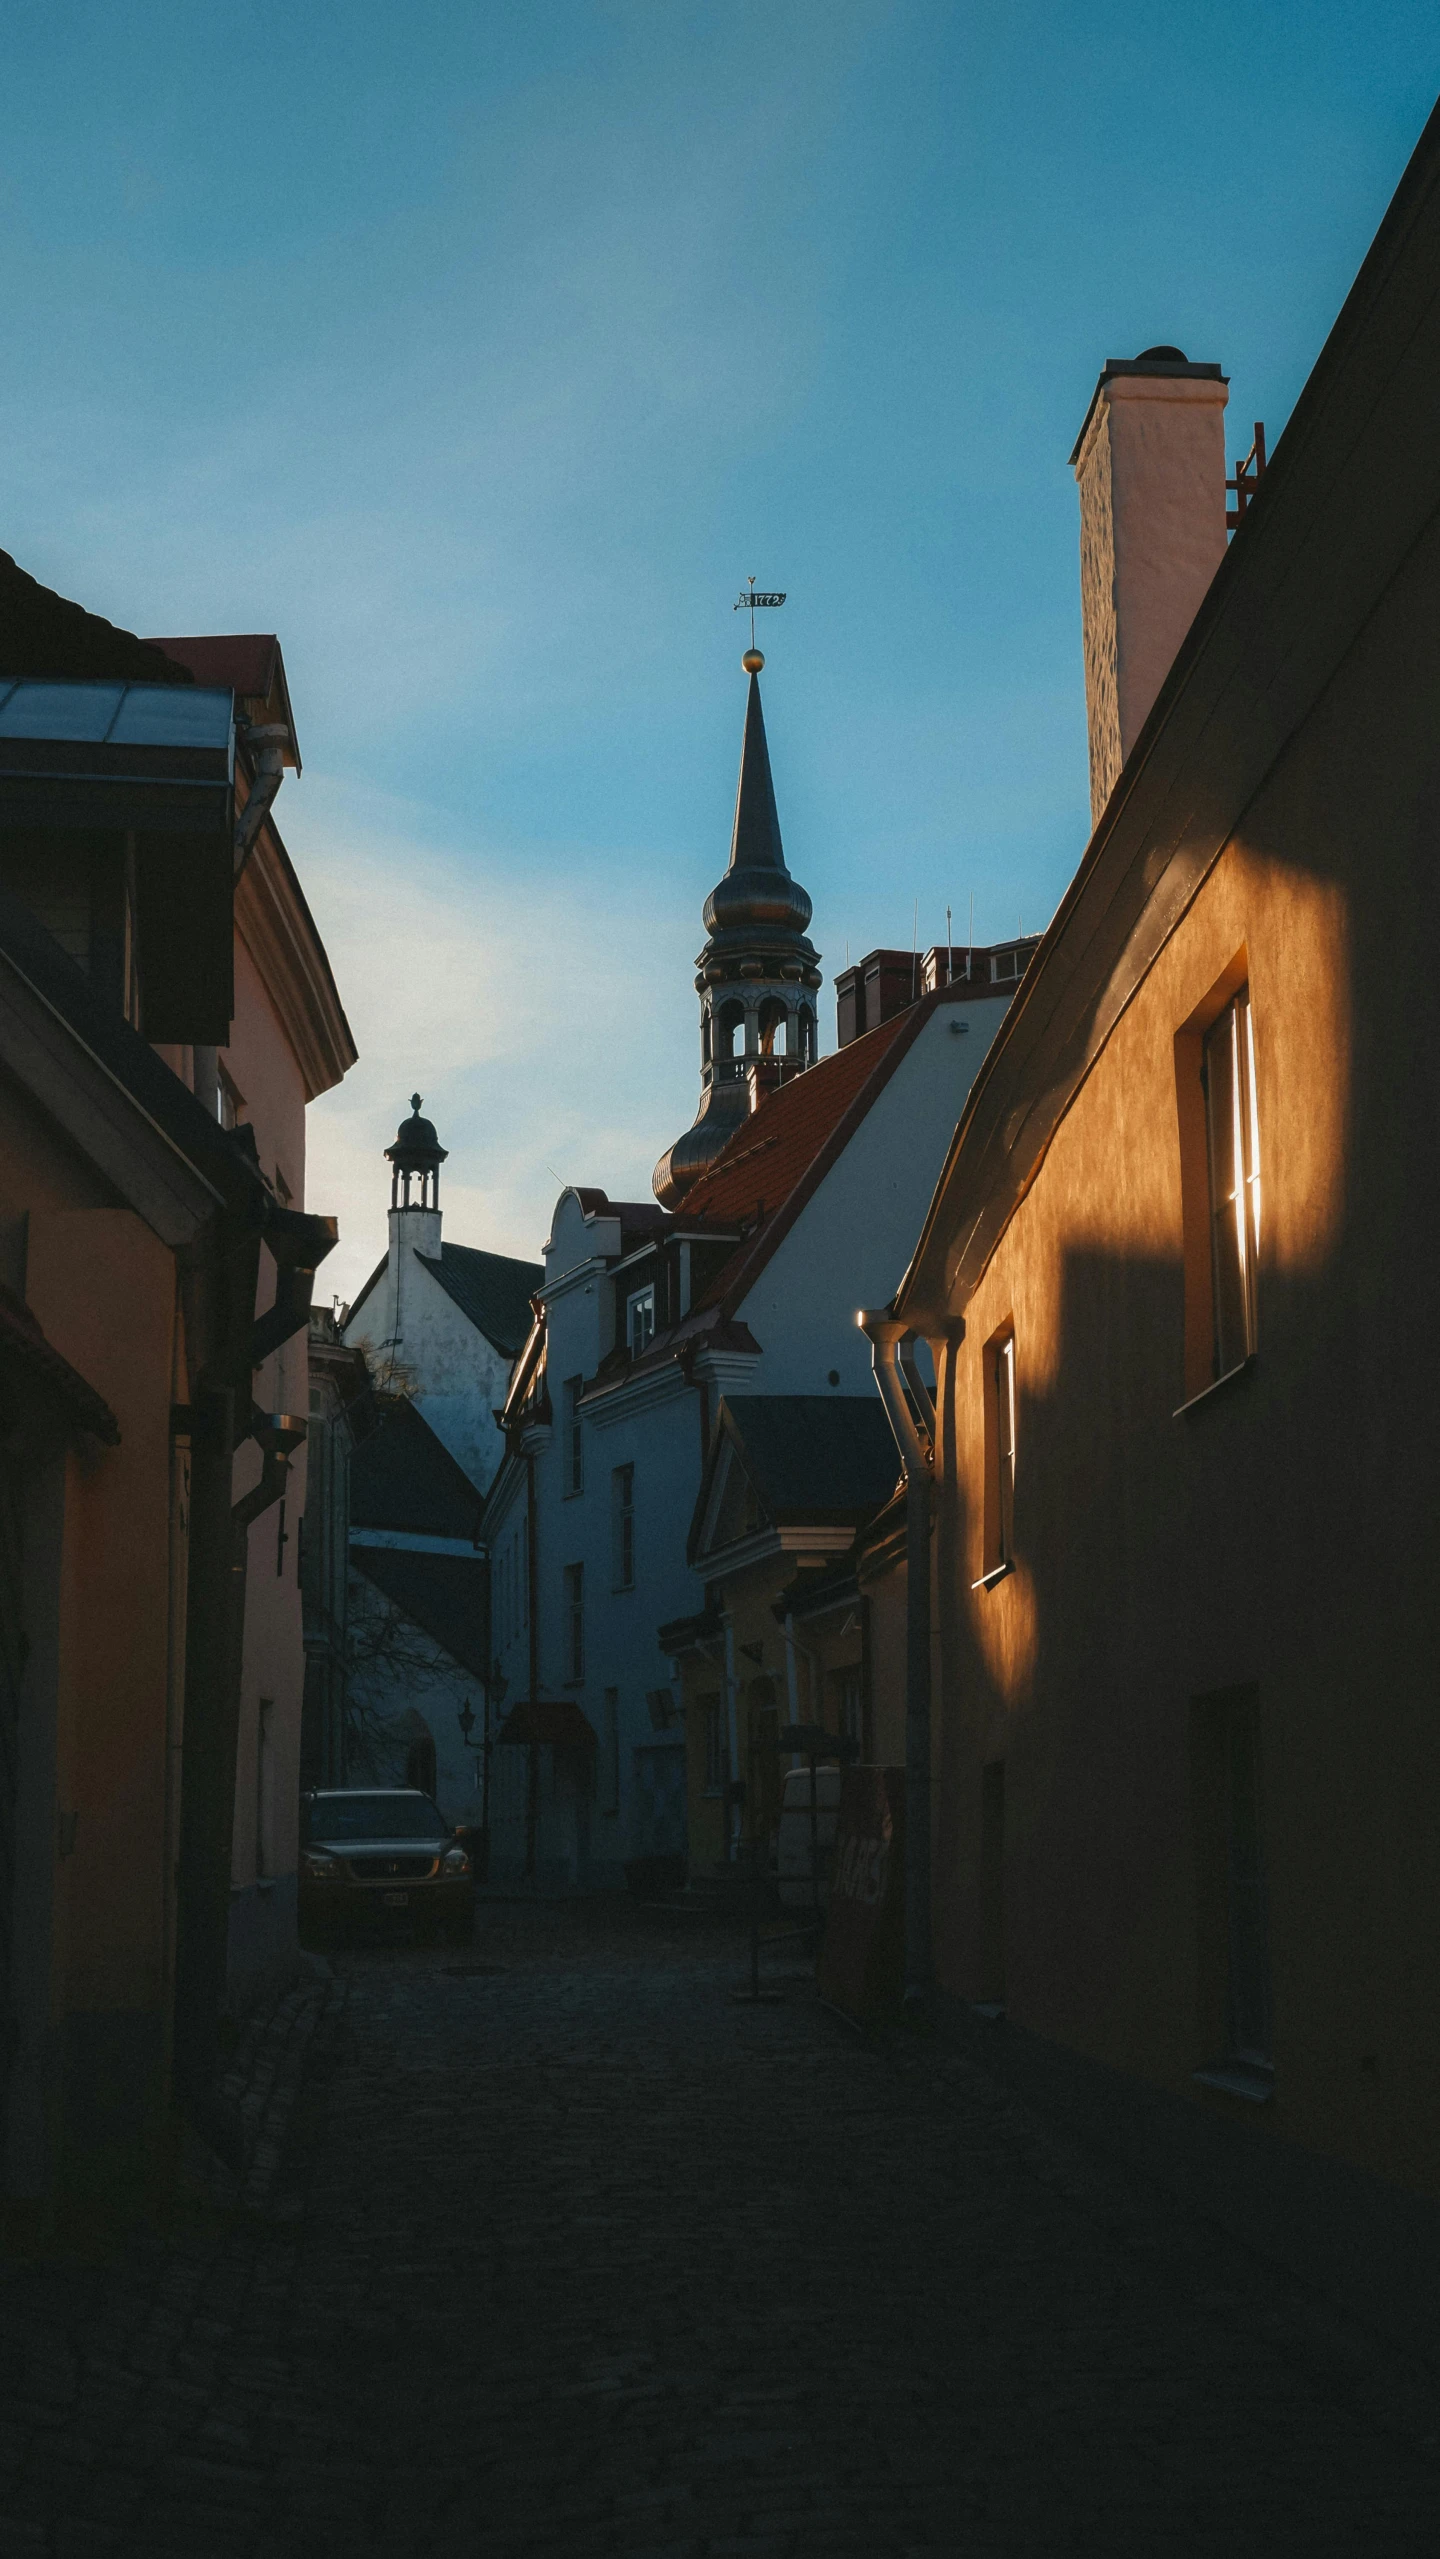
{"x":1161,"y":361}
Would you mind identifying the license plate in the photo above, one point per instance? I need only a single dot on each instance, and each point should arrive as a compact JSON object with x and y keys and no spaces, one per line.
{"x":396,"y":1901}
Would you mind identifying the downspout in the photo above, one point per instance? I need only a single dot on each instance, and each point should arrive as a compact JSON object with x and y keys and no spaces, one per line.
{"x":813,"y":1679}
{"x":886,"y":1335}
{"x":268,"y":746}
{"x":732,"y":1739}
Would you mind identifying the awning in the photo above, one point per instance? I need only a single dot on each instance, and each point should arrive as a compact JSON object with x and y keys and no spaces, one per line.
{"x":556,"y":1720}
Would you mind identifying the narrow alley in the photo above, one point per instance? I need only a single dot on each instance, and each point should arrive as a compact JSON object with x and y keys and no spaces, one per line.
{"x":567,"y":2252}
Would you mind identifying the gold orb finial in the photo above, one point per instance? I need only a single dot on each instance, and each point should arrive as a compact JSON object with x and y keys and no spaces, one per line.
{"x":752,"y":661}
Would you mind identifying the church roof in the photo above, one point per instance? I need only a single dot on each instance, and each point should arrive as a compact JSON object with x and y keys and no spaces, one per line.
{"x":490,"y":1288}
{"x":404,"y":1477}
{"x":445,"y":1595}
{"x":779,"y":1142}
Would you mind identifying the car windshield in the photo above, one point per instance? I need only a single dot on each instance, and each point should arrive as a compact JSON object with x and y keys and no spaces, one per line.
{"x":374,"y":1817}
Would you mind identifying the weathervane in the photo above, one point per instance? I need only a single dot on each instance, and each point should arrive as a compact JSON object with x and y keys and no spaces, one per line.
{"x":750,"y":603}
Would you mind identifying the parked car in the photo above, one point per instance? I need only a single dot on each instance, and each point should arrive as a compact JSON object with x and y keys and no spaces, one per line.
{"x":373,"y":1857}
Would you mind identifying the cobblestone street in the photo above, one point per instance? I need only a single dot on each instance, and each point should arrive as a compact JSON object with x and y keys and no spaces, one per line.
{"x":568,"y":2253}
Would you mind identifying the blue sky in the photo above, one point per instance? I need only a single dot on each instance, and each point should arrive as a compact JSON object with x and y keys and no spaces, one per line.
{"x":482,"y":351}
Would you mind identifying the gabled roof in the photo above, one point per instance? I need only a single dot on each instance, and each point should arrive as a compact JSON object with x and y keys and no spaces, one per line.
{"x":41,"y":634}
{"x":814,"y":1456}
{"x":490,"y":1288}
{"x":802,"y":1461}
{"x":445,"y":1595}
{"x":404,"y":1477}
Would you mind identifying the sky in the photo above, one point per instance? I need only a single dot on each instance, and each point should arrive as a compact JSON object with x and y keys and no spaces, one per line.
{"x":482,"y":352}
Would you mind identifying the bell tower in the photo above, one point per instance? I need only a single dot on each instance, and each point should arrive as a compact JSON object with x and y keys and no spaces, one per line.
{"x":758,"y":975}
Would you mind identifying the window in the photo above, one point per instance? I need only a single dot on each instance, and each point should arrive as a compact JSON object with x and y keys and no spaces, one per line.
{"x":1232,"y":1140}
{"x":610,"y":1753}
{"x":640,"y":1320}
{"x":1234,"y":1968}
{"x":575,"y":1621}
{"x":717,"y":1764}
{"x":574,"y":1446}
{"x":229,"y":1100}
{"x":622,"y":1528}
{"x":999,"y":1373}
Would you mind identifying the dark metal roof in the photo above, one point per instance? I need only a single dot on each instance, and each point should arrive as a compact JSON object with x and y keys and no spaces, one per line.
{"x":814,"y":1457}
{"x":41,"y":633}
{"x":446,"y":1595}
{"x":404,"y":1477}
{"x":490,"y":1288}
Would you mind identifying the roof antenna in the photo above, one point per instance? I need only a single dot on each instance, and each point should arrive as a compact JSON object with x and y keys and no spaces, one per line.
{"x":949,"y":952}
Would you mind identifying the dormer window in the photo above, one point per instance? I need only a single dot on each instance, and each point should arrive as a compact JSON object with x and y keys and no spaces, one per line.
{"x":640,"y":1319}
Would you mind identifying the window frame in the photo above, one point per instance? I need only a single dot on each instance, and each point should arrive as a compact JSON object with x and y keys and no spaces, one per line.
{"x":571,"y":1392}
{"x":610,"y":1753}
{"x":640,"y":1303}
{"x":1217,"y":1349}
{"x":622,"y":1526}
{"x":1001,"y":1413}
{"x":574,"y":1625}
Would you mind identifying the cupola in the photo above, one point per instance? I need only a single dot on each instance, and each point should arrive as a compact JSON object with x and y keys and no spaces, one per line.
{"x":415,"y":1160}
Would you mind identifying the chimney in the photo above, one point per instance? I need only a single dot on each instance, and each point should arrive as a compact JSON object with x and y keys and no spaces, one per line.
{"x":1150,"y":462}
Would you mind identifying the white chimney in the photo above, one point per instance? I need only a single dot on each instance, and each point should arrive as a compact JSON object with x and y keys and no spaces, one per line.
{"x":1151,"y":466}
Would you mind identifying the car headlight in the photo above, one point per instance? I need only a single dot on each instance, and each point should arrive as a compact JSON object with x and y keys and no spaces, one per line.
{"x":319,"y":1865}
{"x":454,"y":1862}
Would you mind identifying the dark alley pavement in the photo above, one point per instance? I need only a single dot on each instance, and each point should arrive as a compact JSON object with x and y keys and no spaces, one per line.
{"x":568,"y":2253}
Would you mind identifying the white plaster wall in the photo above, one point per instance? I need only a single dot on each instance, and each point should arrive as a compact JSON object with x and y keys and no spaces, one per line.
{"x":852,"y":1242}
{"x":451,"y":1372}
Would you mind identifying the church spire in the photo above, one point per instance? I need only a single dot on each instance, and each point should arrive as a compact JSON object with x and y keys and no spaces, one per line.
{"x":755,"y":837}
{"x":757,"y":976}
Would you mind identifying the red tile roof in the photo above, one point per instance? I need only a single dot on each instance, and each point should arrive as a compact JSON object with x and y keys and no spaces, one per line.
{"x":771,"y":1150}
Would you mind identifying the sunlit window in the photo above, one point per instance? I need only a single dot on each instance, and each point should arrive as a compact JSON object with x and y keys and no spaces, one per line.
{"x":1232,"y":1132}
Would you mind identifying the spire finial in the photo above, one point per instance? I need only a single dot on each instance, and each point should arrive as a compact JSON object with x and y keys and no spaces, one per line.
{"x":753,"y":660}
{"x":415,"y":1101}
